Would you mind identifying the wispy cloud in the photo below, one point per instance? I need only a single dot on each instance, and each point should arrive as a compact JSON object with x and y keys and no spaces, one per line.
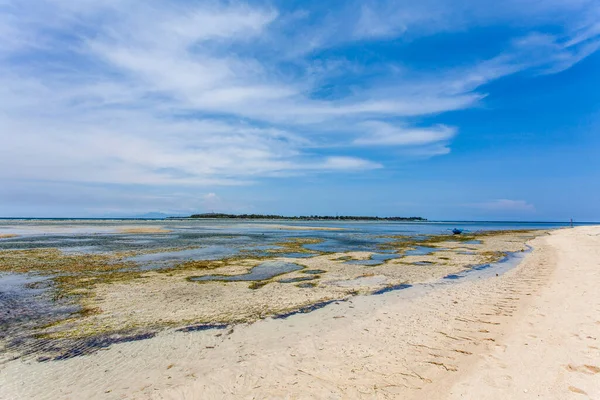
{"x":164,"y":93}
{"x":385,"y":134}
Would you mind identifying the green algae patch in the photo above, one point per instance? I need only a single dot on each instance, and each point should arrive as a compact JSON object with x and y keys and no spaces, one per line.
{"x":402,"y":242}
{"x":53,"y":261}
{"x":344,"y":258}
{"x":257,"y":285}
{"x":192,"y":265}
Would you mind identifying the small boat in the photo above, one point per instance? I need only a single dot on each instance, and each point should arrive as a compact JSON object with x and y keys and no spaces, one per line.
{"x":457,"y":231}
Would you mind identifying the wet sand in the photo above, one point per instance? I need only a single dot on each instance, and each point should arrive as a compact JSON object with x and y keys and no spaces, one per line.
{"x":145,"y":229}
{"x":301,"y":227}
{"x":529,"y":333}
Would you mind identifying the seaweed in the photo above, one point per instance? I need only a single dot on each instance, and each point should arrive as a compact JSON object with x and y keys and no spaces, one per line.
{"x":305,"y":309}
{"x":391,"y":288}
{"x":201,"y":327}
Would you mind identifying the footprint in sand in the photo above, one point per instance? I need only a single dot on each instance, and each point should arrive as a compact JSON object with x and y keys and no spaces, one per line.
{"x":585,"y":369}
{"x":576,"y":390}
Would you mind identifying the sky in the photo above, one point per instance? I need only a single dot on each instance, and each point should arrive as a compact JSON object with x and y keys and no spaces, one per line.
{"x":467,"y":109}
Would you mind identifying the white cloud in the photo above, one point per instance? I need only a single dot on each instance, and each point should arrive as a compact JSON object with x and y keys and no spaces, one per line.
{"x":415,"y":18}
{"x":164,"y":93}
{"x":345,"y":163}
{"x":384,"y":134}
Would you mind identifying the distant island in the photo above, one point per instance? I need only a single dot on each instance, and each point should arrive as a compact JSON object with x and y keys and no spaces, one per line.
{"x":305,"y":218}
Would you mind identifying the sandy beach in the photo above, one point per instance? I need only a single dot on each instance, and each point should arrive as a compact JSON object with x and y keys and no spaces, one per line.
{"x":531,"y":332}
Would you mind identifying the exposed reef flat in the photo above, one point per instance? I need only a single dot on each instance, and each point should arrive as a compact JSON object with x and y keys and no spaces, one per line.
{"x":113,"y":295}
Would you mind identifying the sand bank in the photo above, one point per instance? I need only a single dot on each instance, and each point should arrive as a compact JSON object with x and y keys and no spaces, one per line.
{"x":530,"y":333}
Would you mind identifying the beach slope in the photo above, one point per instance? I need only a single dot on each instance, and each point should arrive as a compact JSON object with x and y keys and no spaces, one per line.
{"x":532,"y":332}
{"x":552,"y":348}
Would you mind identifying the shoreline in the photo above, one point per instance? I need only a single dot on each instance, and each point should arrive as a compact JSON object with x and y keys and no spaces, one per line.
{"x":400,"y":344}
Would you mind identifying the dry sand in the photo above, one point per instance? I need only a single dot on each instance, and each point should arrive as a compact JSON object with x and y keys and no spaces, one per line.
{"x":530,"y":333}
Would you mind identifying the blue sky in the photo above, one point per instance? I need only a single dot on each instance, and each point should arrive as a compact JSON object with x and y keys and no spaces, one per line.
{"x":447,"y":110}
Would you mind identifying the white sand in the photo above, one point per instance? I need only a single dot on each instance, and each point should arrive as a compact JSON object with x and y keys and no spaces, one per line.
{"x":531,"y":333}
{"x":552,"y":348}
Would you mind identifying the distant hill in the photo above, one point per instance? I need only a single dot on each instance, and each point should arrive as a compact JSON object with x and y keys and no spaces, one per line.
{"x":306,"y":218}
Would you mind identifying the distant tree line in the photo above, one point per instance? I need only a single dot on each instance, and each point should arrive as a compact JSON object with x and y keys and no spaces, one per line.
{"x":306,"y":217}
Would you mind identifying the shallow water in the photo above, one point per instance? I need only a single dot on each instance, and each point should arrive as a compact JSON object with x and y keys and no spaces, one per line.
{"x":203,"y":253}
{"x":222,"y":238}
{"x":24,"y":301}
{"x":421,"y":251}
{"x":508,"y":262}
{"x":25,"y":305}
{"x":376,"y":259}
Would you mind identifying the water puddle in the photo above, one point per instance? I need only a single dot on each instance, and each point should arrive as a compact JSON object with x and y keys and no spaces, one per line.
{"x":376,"y":259}
{"x":508,"y":262}
{"x":266,"y":270}
{"x":421,"y":251}
{"x":347,"y":242}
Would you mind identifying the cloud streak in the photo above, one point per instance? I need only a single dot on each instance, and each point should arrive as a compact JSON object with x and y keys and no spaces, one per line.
{"x":181,"y":93}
